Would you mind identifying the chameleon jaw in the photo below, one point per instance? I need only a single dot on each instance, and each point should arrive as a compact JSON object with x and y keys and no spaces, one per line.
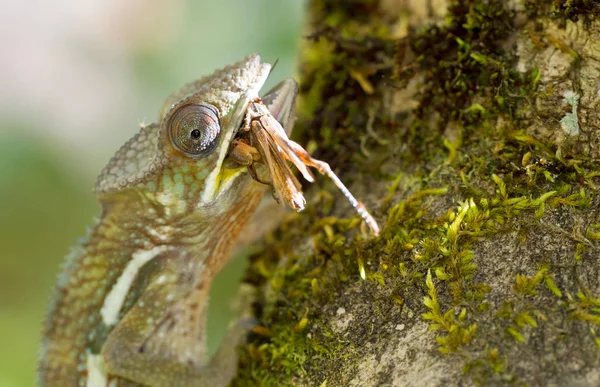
{"x":227,"y":176}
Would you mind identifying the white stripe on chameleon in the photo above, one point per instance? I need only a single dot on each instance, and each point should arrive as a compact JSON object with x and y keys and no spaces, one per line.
{"x":116,"y":297}
{"x":96,"y":376}
{"x":237,"y":115}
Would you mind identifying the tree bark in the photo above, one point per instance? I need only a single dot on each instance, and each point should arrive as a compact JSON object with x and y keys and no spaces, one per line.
{"x":469,"y":129}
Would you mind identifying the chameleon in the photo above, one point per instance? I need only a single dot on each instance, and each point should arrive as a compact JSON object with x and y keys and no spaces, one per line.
{"x":129,"y":306}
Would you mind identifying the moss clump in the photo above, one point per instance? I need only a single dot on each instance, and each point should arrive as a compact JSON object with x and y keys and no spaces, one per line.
{"x":563,"y":10}
{"x":341,"y":57}
{"x":457,"y":182}
{"x":462,"y":58}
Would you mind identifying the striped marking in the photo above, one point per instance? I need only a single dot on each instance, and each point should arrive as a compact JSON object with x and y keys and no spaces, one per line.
{"x":116,"y":297}
{"x":96,"y":376}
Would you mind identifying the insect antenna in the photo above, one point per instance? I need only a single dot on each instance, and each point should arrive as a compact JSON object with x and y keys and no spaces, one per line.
{"x":325,"y":169}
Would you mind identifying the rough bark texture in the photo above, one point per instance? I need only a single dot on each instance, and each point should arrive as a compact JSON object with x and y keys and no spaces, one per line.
{"x":470,"y":130}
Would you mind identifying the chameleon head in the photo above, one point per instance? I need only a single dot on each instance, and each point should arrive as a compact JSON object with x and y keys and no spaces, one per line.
{"x":178,"y":162}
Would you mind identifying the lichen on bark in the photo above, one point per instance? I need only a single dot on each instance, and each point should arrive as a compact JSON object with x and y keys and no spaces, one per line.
{"x":448,"y":120}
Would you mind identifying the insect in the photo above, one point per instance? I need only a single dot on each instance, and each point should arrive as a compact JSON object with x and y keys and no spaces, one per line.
{"x":129,"y":307}
{"x":271,"y":145}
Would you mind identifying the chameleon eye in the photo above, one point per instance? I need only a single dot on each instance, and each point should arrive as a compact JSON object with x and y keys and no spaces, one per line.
{"x":195,"y":129}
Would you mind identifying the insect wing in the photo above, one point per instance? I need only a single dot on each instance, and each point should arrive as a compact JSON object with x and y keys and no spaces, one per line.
{"x":278,"y":137}
{"x":285,"y":185}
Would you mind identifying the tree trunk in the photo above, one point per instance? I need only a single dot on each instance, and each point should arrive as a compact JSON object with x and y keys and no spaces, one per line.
{"x":469,"y":130}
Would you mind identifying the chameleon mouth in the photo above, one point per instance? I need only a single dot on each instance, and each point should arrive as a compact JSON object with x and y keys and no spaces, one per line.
{"x":227,"y":176}
{"x":281,"y":103}
{"x":222,"y":177}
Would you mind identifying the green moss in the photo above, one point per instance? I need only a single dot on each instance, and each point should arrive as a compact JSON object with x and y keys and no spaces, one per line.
{"x":470,"y":174}
{"x":463,"y":58}
{"x":564,"y":10}
{"x":456,"y":332}
{"x":585,"y":307}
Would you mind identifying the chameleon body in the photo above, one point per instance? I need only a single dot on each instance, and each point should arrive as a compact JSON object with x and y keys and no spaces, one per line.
{"x":129,"y":307}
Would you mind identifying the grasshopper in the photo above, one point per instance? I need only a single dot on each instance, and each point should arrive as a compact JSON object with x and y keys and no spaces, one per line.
{"x":264,"y":139}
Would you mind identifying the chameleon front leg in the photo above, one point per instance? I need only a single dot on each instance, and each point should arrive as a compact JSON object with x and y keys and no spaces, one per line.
{"x":162,"y":343}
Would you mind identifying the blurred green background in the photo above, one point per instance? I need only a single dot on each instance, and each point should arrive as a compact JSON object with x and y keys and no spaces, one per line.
{"x":76,"y":80}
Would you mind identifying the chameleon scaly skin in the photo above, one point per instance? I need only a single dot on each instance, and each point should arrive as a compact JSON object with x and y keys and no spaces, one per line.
{"x":129,"y":307}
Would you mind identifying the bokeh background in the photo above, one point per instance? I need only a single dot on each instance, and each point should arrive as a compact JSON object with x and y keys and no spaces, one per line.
{"x":76,"y":79}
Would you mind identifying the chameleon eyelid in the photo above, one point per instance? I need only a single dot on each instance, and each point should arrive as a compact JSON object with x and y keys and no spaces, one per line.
{"x":194,"y":129}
